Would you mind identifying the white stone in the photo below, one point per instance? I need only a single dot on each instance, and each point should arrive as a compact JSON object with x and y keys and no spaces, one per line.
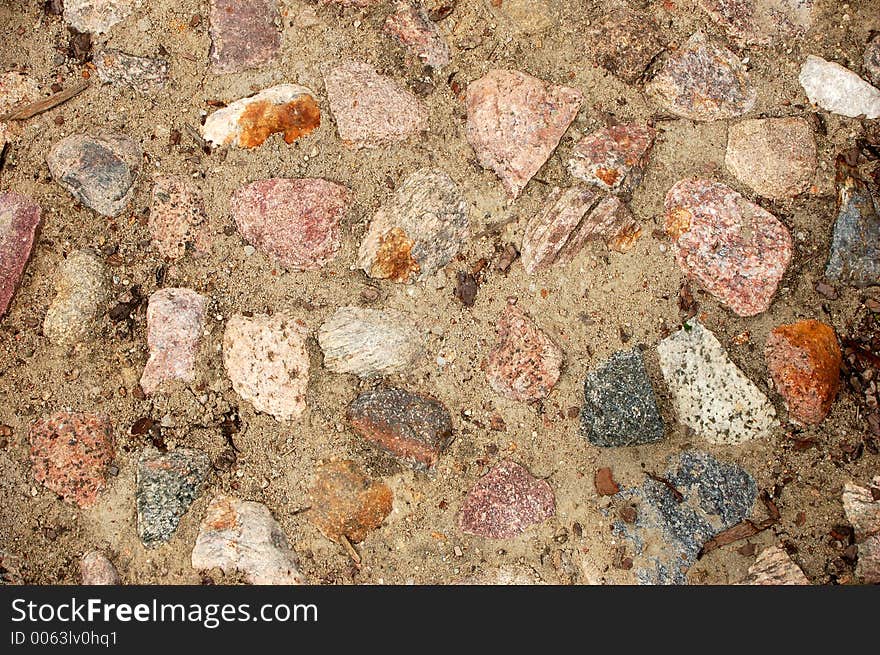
{"x":838,"y":90}
{"x":97,"y":15}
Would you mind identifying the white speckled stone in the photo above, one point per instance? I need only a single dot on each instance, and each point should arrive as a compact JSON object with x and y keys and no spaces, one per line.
{"x":838,"y":90}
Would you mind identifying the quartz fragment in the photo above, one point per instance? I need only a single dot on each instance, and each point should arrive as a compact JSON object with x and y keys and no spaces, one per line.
{"x":81,"y":292}
{"x":613,"y":158}
{"x":177,"y":214}
{"x":175,"y":318}
{"x":19,"y":220}
{"x":243,"y":34}
{"x":146,"y":75}
{"x":838,"y":90}
{"x":411,"y":27}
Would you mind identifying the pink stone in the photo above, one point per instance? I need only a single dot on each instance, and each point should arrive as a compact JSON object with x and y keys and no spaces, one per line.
{"x":294,"y":220}
{"x":515,"y":122}
{"x":613,"y":158}
{"x":175,"y":319}
{"x":505,"y":502}
{"x":96,"y":569}
{"x":862,"y":508}
{"x":611,"y":221}
{"x":71,"y":454}
{"x":524,"y":363}
{"x":411,"y":27}
{"x":243,"y":34}
{"x":19,"y":220}
{"x":774,"y":567}
{"x":733,"y":248}
{"x":176,"y":211}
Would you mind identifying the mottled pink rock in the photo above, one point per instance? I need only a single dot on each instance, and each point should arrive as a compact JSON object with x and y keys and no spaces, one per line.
{"x":177,"y":211}
{"x":524,"y":363}
{"x":774,"y":567}
{"x":96,"y":569}
{"x":733,"y":248}
{"x":515,"y":122}
{"x":243,"y":34}
{"x":624,"y":42}
{"x":613,"y":158}
{"x":411,"y":27}
{"x":19,"y":220}
{"x":611,"y":221}
{"x":175,"y":319}
{"x":761,"y":21}
{"x":294,"y":220}
{"x":862,"y":507}
{"x":370,"y":109}
{"x":505,"y":502}
{"x":71,"y":454}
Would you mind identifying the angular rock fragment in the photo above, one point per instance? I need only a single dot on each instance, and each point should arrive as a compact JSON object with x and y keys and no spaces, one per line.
{"x":71,"y":454}
{"x":698,"y":498}
{"x":266,"y":359}
{"x":624,"y":42}
{"x":294,"y":220}
{"x":774,"y":567}
{"x":871,"y":60}
{"x":515,"y":122}
{"x":505,"y":502}
{"x":711,"y":395}
{"x":761,"y":22}
{"x":604,"y":482}
{"x":244,"y":34}
{"x":175,"y":319}
{"x":776,"y":157}
{"x":287,"y":109}
{"x":243,"y":536}
{"x":702,"y":81}
{"x":177,"y":215}
{"x":418,"y":231}
{"x":146,"y":75}
{"x":611,"y":221}
{"x":855,"y":244}
{"x":167,"y":484}
{"x":367,"y":342}
{"x":411,"y":27}
{"x":100,"y":171}
{"x":372,"y":110}
{"x":620,"y":408}
{"x":613,"y":158}
{"x":804,"y":360}
{"x":81,"y":286}
{"x":838,"y":90}
{"x":410,"y":426}
{"x":345,"y":504}
{"x":862,"y":507}
{"x":524,"y":364}
{"x":733,"y":248}
{"x":19,"y":220}
{"x":96,"y":15}
{"x":96,"y":569}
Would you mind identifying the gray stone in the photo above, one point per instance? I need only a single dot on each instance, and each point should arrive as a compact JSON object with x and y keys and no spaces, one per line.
{"x":620,"y":408}
{"x":838,"y":90}
{"x":146,"y":75}
{"x":81,"y":285}
{"x":167,"y":484}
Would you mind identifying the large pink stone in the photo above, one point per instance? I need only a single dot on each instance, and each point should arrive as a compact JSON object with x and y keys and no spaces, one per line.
{"x":243,"y":34}
{"x":515,"y":122}
{"x":411,"y":27}
{"x":733,"y":248}
{"x":294,"y":220}
{"x":19,"y":219}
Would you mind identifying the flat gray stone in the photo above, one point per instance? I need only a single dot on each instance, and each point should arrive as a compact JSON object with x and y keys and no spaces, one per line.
{"x":167,"y":484}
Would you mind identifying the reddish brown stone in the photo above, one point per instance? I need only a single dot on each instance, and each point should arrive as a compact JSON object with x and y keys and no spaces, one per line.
{"x":411,"y":27}
{"x":624,"y":43}
{"x":243,"y":34}
{"x":524,"y":363}
{"x":505,"y":502}
{"x":613,"y":158}
{"x":345,"y":504}
{"x":604,"y":481}
{"x":411,"y":426}
{"x":19,"y":220}
{"x":804,"y":361}
{"x":71,"y":454}
{"x":515,"y":122}
{"x":177,"y":210}
{"x":294,"y":220}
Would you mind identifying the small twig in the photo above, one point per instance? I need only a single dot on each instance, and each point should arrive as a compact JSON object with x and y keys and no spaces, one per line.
{"x":194,"y":135}
{"x":679,"y":497}
{"x":33,"y":108}
{"x":352,"y":553}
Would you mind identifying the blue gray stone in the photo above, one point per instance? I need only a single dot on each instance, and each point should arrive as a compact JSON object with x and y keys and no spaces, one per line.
{"x":855,"y":246}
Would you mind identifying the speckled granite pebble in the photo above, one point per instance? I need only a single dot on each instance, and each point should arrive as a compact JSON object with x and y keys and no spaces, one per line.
{"x":167,"y":484}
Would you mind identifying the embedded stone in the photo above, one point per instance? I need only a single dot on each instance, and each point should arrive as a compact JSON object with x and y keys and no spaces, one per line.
{"x":804,"y":361}
{"x":709,"y":392}
{"x":620,"y":408}
{"x":177,"y":215}
{"x":515,"y":122}
{"x":243,"y":536}
{"x":774,"y":567}
{"x":613,"y":158}
{"x":175,"y":319}
{"x":524,"y":364}
{"x":624,"y":42}
{"x":548,"y":231}
{"x":862,"y":507}
{"x":294,"y":220}
{"x":506,"y":502}
{"x":871,"y":60}
{"x":418,"y":231}
{"x":10,"y":569}
{"x":410,"y":26}
{"x":372,"y":110}
{"x":410,"y":426}
{"x":761,"y":22}
{"x":702,"y":81}
{"x":287,"y":109}
{"x":71,"y":453}
{"x":100,"y":171}
{"x":244,"y":34}
{"x":95,"y":568}
{"x":266,"y":359}
{"x":610,"y":221}
{"x":19,"y":221}
{"x":97,"y":15}
{"x":776,"y":157}
{"x":734,"y":249}
{"x":146,"y":75}
{"x":81,"y":293}
{"x":345,"y":504}
{"x":838,"y":90}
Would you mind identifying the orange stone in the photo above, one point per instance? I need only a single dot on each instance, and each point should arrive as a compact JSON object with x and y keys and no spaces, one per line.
{"x":262,"y":119}
{"x":804,"y":360}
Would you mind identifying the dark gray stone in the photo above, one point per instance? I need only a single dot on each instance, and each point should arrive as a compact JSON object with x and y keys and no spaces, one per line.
{"x":716,"y":496}
{"x":620,"y":408}
{"x":167,"y":484}
{"x":855,"y":246}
